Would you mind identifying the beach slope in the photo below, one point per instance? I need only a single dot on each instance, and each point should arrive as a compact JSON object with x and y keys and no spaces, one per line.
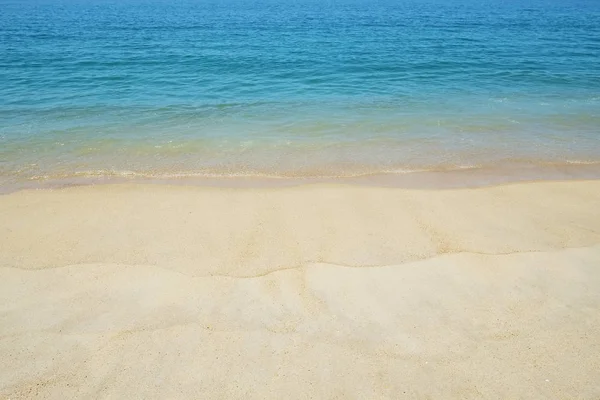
{"x":315,"y":291}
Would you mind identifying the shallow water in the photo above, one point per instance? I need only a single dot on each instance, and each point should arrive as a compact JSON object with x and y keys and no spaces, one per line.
{"x":161,"y":90}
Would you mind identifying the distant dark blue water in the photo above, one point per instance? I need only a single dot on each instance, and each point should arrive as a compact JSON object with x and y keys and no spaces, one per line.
{"x":294,"y":88}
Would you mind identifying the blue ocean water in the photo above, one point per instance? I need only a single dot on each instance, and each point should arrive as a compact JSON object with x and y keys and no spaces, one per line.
{"x":134,"y":88}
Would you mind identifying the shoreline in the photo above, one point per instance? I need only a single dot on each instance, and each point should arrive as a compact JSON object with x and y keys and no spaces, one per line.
{"x":475,"y":177}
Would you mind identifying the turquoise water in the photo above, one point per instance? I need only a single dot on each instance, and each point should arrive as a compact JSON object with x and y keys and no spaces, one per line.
{"x":96,"y":89}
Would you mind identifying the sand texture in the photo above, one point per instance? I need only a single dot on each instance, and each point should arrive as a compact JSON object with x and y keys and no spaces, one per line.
{"x":316,"y":291}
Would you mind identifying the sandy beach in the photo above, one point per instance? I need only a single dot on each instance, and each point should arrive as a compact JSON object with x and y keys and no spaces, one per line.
{"x":313,"y":291}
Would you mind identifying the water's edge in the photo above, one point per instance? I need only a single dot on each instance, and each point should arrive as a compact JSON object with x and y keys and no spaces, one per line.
{"x":426,"y":180}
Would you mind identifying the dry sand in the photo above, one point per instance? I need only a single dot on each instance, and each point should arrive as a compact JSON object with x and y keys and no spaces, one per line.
{"x":321,"y":291}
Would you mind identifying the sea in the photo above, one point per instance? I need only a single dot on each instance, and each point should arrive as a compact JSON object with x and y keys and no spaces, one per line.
{"x":96,"y":91}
